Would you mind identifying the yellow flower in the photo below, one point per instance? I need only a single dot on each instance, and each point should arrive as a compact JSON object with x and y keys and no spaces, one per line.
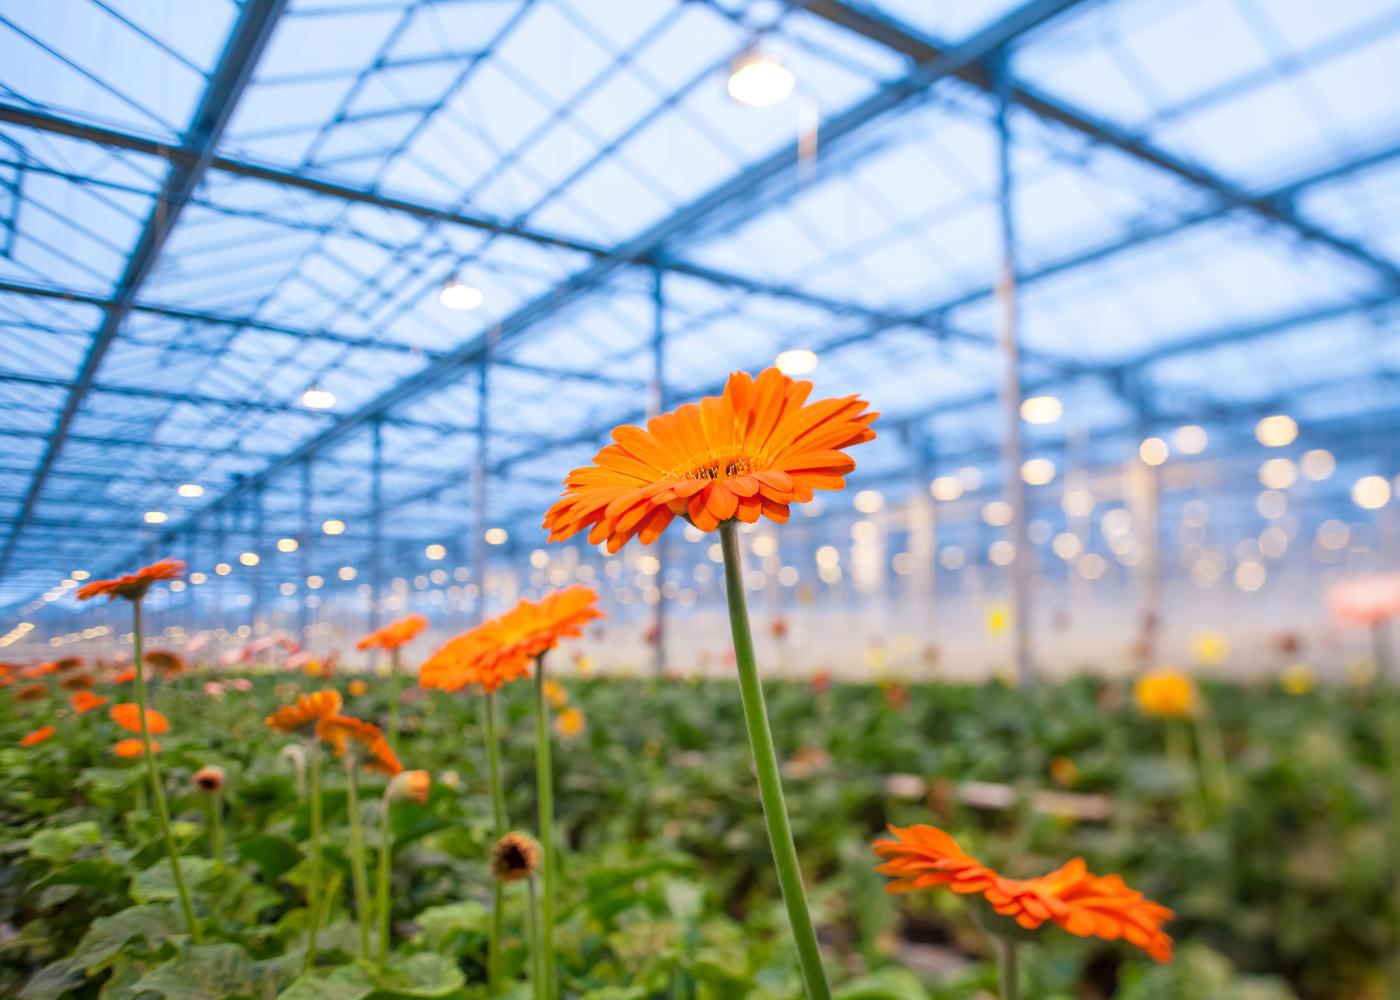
{"x":1166,"y":693}
{"x":584,"y":665}
{"x":998,"y":619}
{"x":1064,"y":771}
{"x":569,"y":723}
{"x":1297,"y":678}
{"x":555,"y":694}
{"x":1209,"y":648}
{"x":313,"y":668}
{"x":358,"y":687}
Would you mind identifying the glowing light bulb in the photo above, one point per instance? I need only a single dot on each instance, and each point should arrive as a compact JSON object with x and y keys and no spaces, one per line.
{"x":317,"y":399}
{"x":798,"y":361}
{"x":456,"y":294}
{"x":190,"y":490}
{"x":1041,"y":410}
{"x":759,"y":81}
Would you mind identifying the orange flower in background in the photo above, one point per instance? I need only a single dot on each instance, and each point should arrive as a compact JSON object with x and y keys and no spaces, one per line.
{"x":128,"y":716}
{"x":554,"y":693}
{"x":68,"y":663}
{"x":31,"y":692}
{"x":357,"y":688}
{"x":750,"y":452}
{"x":1166,"y":694}
{"x":302,"y":715}
{"x":41,"y":670}
{"x":85,"y":701}
{"x":76,"y":682}
{"x":167,"y":662}
{"x":1366,"y":600}
{"x":500,"y":650}
{"x":132,"y":747}
{"x":125,"y":676}
{"x":397,"y":633}
{"x":364,"y":739}
{"x":37,"y":736}
{"x":570,"y":723}
{"x":133,"y":586}
{"x":411,"y":786}
{"x":1085,"y":904}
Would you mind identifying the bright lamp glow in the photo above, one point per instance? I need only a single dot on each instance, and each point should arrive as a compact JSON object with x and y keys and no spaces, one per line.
{"x":1191,"y":439}
{"x":1371,"y":492}
{"x":1276,"y":431}
{"x":287,"y":545}
{"x":796,"y":362}
{"x":156,"y":517}
{"x":436,"y":551}
{"x":333,"y":527}
{"x":1038,"y":471}
{"x":249,"y":558}
{"x":458,"y":295}
{"x":317,"y":399}
{"x":1041,"y":410}
{"x":1153,"y":451}
{"x":190,"y":490}
{"x":496,"y":536}
{"x":759,"y":81}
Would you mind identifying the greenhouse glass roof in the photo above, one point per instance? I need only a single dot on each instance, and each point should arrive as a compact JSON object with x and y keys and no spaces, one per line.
{"x":208,"y":208}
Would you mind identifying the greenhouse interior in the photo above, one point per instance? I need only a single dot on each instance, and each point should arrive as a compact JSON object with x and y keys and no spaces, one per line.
{"x":699,"y":499}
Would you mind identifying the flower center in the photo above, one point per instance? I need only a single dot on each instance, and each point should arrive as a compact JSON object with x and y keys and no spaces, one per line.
{"x":719,"y":465}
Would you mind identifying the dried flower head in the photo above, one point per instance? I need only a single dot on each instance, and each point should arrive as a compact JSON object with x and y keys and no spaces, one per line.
{"x":209,"y":779}
{"x":514,"y":857}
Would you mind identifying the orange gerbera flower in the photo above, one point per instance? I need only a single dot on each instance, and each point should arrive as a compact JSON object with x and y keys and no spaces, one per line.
{"x":38,"y":736}
{"x":1089,"y":905}
{"x":397,"y":633}
{"x":132,"y":747}
{"x":302,"y":715}
{"x":128,"y":716}
{"x":363,"y":739}
{"x":167,"y":662}
{"x":76,"y":682}
{"x":749,"y":452}
{"x":124,"y":677}
{"x":31,"y":692}
{"x":85,"y":701}
{"x":68,"y":663}
{"x":500,"y":650}
{"x":133,"y":586}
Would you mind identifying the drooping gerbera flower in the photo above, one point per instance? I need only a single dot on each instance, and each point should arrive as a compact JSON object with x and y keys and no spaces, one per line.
{"x":167,"y":662}
{"x":68,"y":663}
{"x":500,"y":650}
{"x":1085,"y":904}
{"x":1166,"y":693}
{"x":209,"y":778}
{"x":85,"y":701}
{"x":362,"y":739}
{"x":397,"y":633}
{"x":128,"y":716}
{"x":37,"y":736}
{"x":31,"y":692}
{"x":76,"y":682}
{"x":133,"y":586}
{"x":514,"y":857}
{"x":750,"y":452}
{"x":300,"y":717}
{"x":410,"y":786}
{"x":132,"y":747}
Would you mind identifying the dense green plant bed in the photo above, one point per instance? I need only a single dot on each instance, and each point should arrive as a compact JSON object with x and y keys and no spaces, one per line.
{"x":1280,"y":881}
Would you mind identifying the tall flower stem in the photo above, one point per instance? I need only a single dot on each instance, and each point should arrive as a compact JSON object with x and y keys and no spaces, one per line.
{"x":544,"y":782}
{"x":395,"y":695}
{"x":1008,"y":971}
{"x":1390,"y":746}
{"x":1211,"y":746}
{"x":215,"y":805}
{"x":537,"y":964}
{"x":498,"y":817}
{"x":770,"y":786}
{"x":153,"y":777}
{"x":313,"y":892}
{"x":381,"y":902}
{"x":357,"y":854}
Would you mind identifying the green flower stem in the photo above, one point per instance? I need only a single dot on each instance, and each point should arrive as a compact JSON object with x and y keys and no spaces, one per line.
{"x":313,"y":892}
{"x":1179,"y":750}
{"x":498,"y":816}
{"x":544,"y":780}
{"x":1390,"y":746}
{"x":357,"y":854}
{"x":537,"y":973}
{"x":1008,"y":970}
{"x":381,"y":903}
{"x":215,"y":805}
{"x":770,"y":786}
{"x":395,"y":695}
{"x":1211,"y":746}
{"x":153,"y":776}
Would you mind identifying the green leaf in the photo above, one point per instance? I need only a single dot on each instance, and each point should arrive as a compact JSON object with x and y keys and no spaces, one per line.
{"x":273,"y":855}
{"x":59,"y":845}
{"x":109,"y":937}
{"x":157,"y":883}
{"x":438,"y":922}
{"x":102,"y":874}
{"x":349,"y":982}
{"x":213,"y":972}
{"x":887,"y":984}
{"x":425,"y":975}
{"x":53,"y":981}
{"x":615,"y":993}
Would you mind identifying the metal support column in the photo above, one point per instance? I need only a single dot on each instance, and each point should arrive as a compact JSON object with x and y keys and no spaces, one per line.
{"x":255,"y":546}
{"x":220,"y":581}
{"x":656,"y":406}
{"x":1011,"y":390}
{"x":479,"y":476}
{"x":376,"y":522}
{"x":304,"y":551}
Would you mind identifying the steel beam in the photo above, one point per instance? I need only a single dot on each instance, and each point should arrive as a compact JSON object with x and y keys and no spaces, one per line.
{"x":246,"y":42}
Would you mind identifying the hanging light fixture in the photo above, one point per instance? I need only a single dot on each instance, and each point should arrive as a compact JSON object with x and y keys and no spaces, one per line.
{"x":315,"y":398}
{"x":759,"y":80}
{"x":457,"y":294}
